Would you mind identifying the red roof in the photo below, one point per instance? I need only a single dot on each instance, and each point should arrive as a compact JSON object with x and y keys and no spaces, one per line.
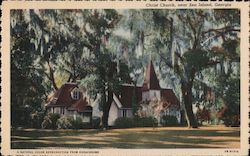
{"x":62,"y":98}
{"x":81,"y":105}
{"x":150,"y":83}
{"x":169,"y":96}
{"x":150,"y":79}
{"x":127,"y":93}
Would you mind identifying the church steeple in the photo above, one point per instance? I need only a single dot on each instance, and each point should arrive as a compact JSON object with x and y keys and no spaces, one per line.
{"x":150,"y":80}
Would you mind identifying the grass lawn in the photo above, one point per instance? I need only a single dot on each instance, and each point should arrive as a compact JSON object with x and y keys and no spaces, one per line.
{"x":165,"y":137}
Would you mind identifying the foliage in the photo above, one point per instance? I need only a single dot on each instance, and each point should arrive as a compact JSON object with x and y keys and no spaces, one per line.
{"x":228,"y":89}
{"x":50,"y":44}
{"x":77,"y":123}
{"x":168,"y":120}
{"x":124,"y":122}
{"x":232,"y":95}
{"x":71,"y":122}
{"x":230,"y":92}
{"x":96,"y":122}
{"x":151,"y":108}
{"x":64,"y":122}
{"x":47,"y":49}
{"x":196,"y":59}
{"x":203,"y":115}
{"x":228,"y":117}
{"x":27,"y":90}
{"x":108,"y":72}
{"x":37,"y":119}
{"x":145,"y":121}
{"x":50,"y":121}
{"x":46,"y":124}
{"x":195,"y":46}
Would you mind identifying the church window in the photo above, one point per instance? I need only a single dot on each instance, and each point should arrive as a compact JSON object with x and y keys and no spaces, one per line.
{"x":61,"y":110}
{"x":124,"y":113}
{"x":75,"y":94}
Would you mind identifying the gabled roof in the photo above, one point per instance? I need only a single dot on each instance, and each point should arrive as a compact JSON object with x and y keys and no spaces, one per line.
{"x":150,"y":79}
{"x":62,"y":97}
{"x":117,"y":101}
{"x":127,"y":93}
{"x":168,"y":96}
{"x":150,"y":83}
{"x":81,"y":105}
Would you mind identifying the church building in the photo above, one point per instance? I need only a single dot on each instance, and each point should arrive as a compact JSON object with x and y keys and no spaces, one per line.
{"x":71,"y":100}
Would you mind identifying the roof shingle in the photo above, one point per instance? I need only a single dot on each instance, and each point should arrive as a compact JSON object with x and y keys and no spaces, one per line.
{"x":62,"y":97}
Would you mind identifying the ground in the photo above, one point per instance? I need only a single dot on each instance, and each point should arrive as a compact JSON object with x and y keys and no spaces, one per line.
{"x":164,"y":137}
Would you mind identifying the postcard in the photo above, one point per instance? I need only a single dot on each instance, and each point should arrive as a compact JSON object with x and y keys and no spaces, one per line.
{"x":147,"y":78}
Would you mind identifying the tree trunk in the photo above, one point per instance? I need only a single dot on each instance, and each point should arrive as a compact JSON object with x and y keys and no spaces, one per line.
{"x":134,"y":100}
{"x":51,"y":76}
{"x":106,"y":109}
{"x":187,"y":98}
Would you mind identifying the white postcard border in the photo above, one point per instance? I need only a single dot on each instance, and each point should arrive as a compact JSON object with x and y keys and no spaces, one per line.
{"x":5,"y":70}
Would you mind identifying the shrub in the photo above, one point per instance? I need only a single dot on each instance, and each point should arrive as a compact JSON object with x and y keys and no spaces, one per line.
{"x":229,"y":118}
{"x":135,"y":122}
{"x":203,"y":115}
{"x":146,"y":122}
{"x":233,"y":121}
{"x":46,"y":124}
{"x":168,"y":120}
{"x":50,"y":120}
{"x":96,"y":122}
{"x":124,"y":122}
{"x":138,"y":121}
{"x":64,"y":123}
{"x":77,"y":123}
{"x":37,"y":119}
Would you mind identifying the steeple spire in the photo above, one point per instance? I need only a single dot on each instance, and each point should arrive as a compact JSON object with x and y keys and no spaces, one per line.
{"x":150,"y":80}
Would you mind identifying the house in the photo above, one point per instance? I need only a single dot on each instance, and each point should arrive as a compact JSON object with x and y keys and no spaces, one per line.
{"x":71,"y":100}
{"x":122,"y":104}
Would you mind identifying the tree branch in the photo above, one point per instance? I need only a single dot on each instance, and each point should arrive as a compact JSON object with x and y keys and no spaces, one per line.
{"x":179,"y":56}
{"x":221,"y":30}
{"x":165,"y":61}
{"x":51,"y":75}
{"x":211,"y":63}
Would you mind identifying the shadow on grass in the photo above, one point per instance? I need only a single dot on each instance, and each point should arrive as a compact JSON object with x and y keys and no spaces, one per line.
{"x":31,"y":139}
